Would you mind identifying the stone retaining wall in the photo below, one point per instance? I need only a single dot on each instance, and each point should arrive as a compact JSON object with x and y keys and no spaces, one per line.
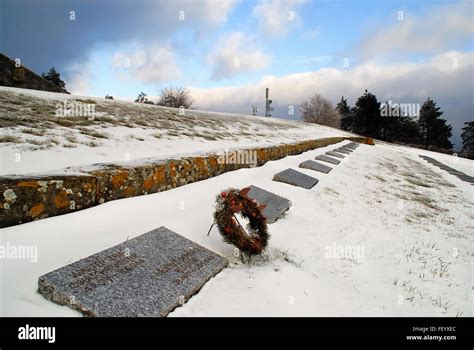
{"x":28,"y":198}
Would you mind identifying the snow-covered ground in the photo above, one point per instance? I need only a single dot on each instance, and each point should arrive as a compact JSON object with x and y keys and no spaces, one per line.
{"x":33,"y":139}
{"x":409,"y":225}
{"x":462,"y":164}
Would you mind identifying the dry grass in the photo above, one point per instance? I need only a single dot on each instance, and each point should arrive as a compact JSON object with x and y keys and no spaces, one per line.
{"x":93,"y":133}
{"x":35,"y":132}
{"x":9,"y":138}
{"x":37,"y":142}
{"x":39,"y":116}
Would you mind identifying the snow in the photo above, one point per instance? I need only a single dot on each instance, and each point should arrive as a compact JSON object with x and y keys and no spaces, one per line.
{"x":413,"y":236}
{"x":462,"y":164}
{"x":35,"y":154}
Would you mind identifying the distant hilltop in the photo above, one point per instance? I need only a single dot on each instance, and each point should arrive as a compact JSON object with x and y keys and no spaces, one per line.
{"x":15,"y":75}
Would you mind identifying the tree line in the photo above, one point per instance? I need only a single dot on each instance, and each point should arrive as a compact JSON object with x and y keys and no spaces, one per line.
{"x":386,"y":121}
{"x":367,"y":117}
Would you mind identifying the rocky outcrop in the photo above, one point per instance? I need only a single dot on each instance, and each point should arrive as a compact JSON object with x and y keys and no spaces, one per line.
{"x":22,"y":77}
{"x":28,"y":198}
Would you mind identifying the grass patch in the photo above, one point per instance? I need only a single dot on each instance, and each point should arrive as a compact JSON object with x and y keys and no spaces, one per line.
{"x":36,"y":132}
{"x":9,"y":138}
{"x":418,"y":182}
{"x":93,"y":133}
{"x":37,"y":142}
{"x":88,"y":101}
{"x":91,"y":144}
{"x":71,"y":138}
{"x":53,"y":141}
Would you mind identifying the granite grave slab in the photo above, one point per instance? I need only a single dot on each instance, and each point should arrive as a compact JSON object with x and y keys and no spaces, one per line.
{"x":276,"y":206}
{"x":335,"y":154}
{"x":345,"y":148}
{"x":342,"y":150}
{"x":313,"y":165}
{"x":149,"y":275}
{"x":327,"y":159}
{"x":295,"y":178}
{"x":460,"y":175}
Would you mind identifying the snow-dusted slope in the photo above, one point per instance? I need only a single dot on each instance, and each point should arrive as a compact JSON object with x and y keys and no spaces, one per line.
{"x":410,"y":223}
{"x":34,"y":139}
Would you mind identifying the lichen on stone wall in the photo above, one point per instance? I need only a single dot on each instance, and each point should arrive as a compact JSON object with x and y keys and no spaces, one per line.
{"x":39,"y":197}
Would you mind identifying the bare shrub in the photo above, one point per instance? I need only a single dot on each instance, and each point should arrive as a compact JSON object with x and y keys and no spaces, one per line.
{"x":175,"y":97}
{"x":320,"y":110}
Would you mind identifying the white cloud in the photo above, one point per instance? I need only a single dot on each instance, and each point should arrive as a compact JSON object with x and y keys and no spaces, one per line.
{"x":446,"y":78}
{"x":277,"y":17}
{"x":206,"y":12}
{"x":215,"y":12}
{"x":152,"y":65}
{"x":441,"y":28}
{"x":236,"y":54}
{"x":79,"y":77}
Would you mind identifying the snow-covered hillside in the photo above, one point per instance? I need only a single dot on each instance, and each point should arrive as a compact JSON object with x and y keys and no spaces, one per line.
{"x":409,"y":223}
{"x":33,"y":139}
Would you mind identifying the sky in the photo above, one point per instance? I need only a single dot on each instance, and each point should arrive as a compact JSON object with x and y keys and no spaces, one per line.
{"x":226,"y":52}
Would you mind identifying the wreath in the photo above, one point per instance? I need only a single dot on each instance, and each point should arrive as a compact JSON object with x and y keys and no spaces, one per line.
{"x":232,"y":201}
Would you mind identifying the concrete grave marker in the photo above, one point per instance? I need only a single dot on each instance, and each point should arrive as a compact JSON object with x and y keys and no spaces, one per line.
{"x":345,"y":148}
{"x":335,"y":154}
{"x":313,"y":165}
{"x":296,"y":178}
{"x":149,"y":275}
{"x":275,"y":205}
{"x":342,"y":150}
{"x":460,"y":175}
{"x":327,"y":159}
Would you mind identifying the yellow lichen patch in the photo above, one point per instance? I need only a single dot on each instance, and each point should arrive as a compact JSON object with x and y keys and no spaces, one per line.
{"x":128,"y":191}
{"x":370,"y":141}
{"x":213,"y":163}
{"x":148,"y":183}
{"x":159,"y":176}
{"x":87,"y":186}
{"x":261,"y":156}
{"x":60,"y":200}
{"x":172,"y":170}
{"x":201,"y":166}
{"x":37,"y":210}
{"x":119,"y":178}
{"x":33,"y":184}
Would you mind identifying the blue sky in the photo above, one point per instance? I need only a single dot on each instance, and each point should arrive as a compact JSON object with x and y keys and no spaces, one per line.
{"x":127,"y":46}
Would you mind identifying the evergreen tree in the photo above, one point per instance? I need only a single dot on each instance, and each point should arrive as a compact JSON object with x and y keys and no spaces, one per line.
{"x":346,"y":115}
{"x":143,"y":99}
{"x":54,"y":77}
{"x":366,"y":118}
{"x":467,"y":136}
{"x":403,"y":129}
{"x":434,"y":130}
